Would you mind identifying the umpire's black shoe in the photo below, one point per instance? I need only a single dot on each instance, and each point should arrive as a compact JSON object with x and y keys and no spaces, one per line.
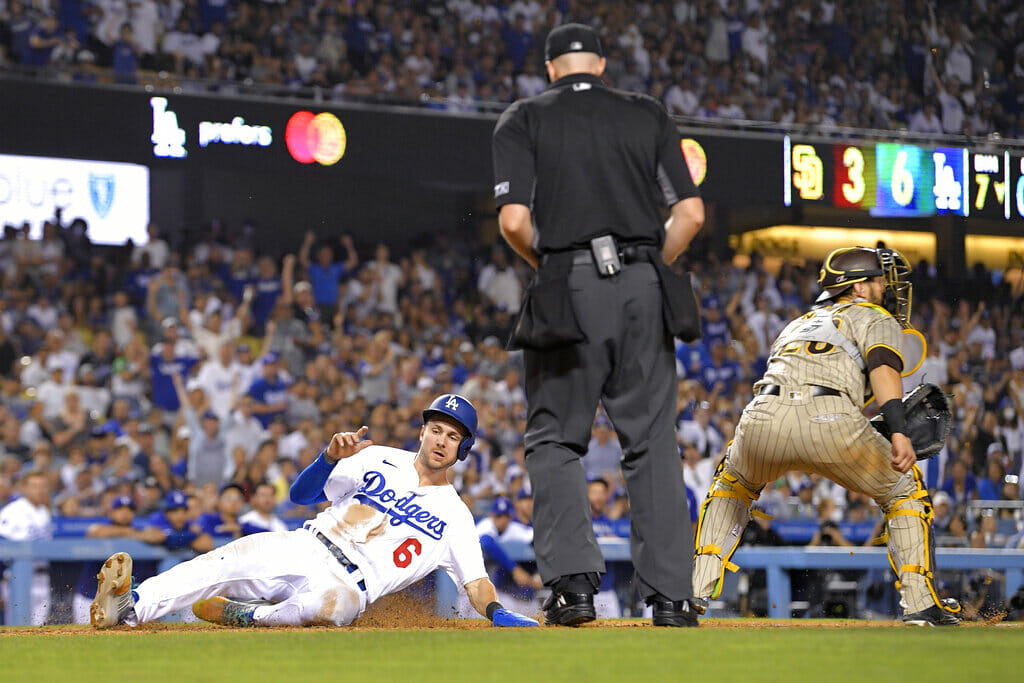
{"x":569,"y":609}
{"x":672,"y":612}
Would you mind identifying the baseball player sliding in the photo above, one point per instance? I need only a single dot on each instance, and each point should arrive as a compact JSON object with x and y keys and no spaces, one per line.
{"x":806,"y":415}
{"x":393,"y":519}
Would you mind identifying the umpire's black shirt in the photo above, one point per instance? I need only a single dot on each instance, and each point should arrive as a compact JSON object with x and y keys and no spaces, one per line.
{"x":590,"y":160}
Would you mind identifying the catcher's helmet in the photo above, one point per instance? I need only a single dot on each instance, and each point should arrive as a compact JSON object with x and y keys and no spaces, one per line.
{"x":459,"y":409}
{"x":848,"y":265}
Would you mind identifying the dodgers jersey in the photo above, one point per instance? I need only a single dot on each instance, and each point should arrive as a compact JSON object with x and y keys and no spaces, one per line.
{"x":395,"y":530}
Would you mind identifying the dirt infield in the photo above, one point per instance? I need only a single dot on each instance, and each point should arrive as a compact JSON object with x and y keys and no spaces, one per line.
{"x":402,"y":613}
{"x":432,"y":623}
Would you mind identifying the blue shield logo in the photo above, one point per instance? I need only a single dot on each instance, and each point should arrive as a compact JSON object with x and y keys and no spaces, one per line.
{"x":101,"y":192}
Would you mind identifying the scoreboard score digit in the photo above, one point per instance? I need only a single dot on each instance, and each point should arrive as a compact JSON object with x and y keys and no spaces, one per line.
{"x":853,"y":177}
{"x":906,"y":179}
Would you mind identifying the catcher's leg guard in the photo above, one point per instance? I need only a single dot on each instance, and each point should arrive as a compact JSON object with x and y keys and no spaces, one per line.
{"x":723,"y":516}
{"x":912,"y":548}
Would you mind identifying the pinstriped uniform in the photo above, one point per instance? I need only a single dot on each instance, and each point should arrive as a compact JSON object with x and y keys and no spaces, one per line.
{"x":822,"y":364}
{"x":827,"y":435}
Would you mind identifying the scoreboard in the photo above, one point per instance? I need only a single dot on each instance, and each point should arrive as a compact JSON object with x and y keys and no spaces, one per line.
{"x":889,"y":179}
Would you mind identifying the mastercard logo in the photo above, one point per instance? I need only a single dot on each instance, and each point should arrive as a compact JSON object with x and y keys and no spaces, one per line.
{"x":696,"y":159}
{"x":315,"y":137}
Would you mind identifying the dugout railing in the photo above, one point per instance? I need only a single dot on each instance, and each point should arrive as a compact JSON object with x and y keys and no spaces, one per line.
{"x":776,"y":561}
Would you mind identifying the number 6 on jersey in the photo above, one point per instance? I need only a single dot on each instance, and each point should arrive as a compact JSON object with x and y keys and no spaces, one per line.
{"x":405,"y":551}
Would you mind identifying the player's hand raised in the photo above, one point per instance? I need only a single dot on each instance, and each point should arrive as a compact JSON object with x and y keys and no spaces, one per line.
{"x":346,"y":444}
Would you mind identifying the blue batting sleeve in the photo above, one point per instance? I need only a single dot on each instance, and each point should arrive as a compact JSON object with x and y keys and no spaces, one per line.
{"x":493,"y":549}
{"x":308,"y":487}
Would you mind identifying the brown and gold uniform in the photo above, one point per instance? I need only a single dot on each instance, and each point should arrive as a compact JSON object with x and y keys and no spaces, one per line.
{"x":806,"y":415}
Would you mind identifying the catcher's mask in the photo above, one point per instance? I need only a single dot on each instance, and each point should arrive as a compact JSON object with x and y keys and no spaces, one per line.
{"x":847,"y":266}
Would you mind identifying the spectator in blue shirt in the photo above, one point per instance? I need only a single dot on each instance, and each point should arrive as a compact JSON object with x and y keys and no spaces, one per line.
{"x":171,"y":357}
{"x":326,"y":273}
{"x":224,"y":521}
{"x":721,"y":374}
{"x":960,"y":484}
{"x":690,"y":358}
{"x":518,"y":40}
{"x":125,"y":56}
{"x":42,"y":40}
{"x":19,"y":27}
{"x":269,"y":392}
{"x":991,"y":487}
{"x":715,"y":326}
{"x":177,"y":531}
{"x":267,"y":287}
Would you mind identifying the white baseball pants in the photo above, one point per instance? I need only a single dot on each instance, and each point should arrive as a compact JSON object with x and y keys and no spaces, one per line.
{"x":291,"y":569}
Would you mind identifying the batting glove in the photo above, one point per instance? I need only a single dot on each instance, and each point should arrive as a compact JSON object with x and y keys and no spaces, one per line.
{"x":505,"y":618}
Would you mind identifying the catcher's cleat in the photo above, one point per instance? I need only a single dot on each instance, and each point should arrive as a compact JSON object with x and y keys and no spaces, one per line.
{"x":935,"y":615}
{"x":569,"y":609}
{"x":700,"y":605}
{"x":114,"y":597}
{"x":672,"y":612}
{"x":226,"y":612}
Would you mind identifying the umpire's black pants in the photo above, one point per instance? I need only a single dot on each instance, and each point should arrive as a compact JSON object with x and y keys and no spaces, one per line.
{"x":628,"y":363}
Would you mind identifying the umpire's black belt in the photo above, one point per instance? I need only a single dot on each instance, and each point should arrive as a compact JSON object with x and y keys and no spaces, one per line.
{"x":627,"y":254}
{"x":816,"y":391}
{"x":340,"y":556}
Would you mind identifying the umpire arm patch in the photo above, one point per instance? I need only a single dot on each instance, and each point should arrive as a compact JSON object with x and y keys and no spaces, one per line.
{"x":883,"y":355}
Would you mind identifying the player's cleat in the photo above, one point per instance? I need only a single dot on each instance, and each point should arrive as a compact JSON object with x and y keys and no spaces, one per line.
{"x":933,"y":616}
{"x":672,"y":612}
{"x":569,"y":609}
{"x":221,"y":610}
{"x":700,"y":605}
{"x":114,"y":597}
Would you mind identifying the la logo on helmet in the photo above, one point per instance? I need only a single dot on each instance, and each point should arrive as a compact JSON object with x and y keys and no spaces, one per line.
{"x":452,"y":403}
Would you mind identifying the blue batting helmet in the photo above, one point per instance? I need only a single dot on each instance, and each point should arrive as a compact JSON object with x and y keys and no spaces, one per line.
{"x":459,"y":409}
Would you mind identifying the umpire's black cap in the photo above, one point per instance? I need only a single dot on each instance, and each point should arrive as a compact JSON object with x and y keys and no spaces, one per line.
{"x":571,"y":38}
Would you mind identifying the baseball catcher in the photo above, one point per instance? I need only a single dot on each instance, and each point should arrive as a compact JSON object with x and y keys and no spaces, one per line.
{"x":806,"y":415}
{"x":393,"y":519}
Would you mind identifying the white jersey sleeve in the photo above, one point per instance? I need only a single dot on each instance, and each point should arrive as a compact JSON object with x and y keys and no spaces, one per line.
{"x":465,"y":560}
{"x":347,"y":475}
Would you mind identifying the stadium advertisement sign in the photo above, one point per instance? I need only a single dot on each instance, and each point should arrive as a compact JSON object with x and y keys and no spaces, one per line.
{"x":113,"y":198}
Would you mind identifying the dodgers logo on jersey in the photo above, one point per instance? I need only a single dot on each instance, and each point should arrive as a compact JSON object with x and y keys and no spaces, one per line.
{"x":404,"y":510}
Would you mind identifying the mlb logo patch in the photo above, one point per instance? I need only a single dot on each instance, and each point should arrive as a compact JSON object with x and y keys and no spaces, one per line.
{"x":500,"y":189}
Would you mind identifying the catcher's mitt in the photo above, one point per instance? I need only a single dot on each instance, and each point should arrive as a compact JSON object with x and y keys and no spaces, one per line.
{"x":928,"y":420}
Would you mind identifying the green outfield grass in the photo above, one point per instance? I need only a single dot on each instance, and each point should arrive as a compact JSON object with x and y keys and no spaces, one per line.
{"x":736,"y":652}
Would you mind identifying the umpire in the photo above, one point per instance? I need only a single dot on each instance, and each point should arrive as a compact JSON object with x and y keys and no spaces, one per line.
{"x":591,"y":167}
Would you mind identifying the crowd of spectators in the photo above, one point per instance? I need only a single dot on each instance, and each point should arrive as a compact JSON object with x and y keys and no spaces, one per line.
{"x":955,"y":67}
{"x":208,"y":374}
